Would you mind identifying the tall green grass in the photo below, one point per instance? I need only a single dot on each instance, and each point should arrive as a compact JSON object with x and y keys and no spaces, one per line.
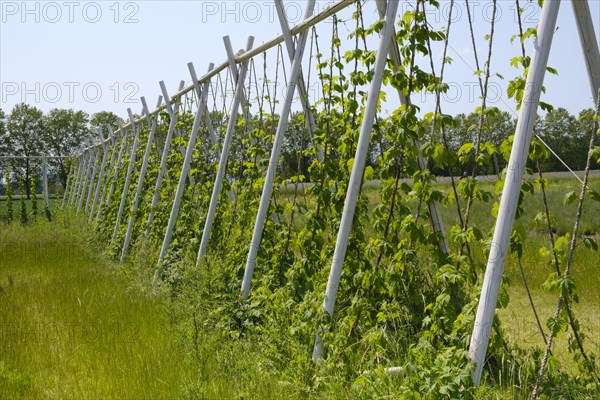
{"x":74,"y":326}
{"x":71,"y":328}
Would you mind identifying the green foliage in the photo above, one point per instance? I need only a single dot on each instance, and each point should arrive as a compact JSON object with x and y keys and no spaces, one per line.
{"x":22,"y":197}
{"x":9,"y":196}
{"x":34,"y":204}
{"x":402,"y":300}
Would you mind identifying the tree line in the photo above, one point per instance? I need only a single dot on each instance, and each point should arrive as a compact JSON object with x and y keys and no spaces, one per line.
{"x":27,"y":131}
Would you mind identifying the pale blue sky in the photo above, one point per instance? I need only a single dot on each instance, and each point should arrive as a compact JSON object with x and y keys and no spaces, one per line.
{"x":104,"y":55}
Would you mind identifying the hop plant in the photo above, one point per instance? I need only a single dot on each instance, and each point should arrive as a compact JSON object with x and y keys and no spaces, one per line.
{"x":9,"y":197}
{"x":34,"y":205}
{"x":23,"y":204}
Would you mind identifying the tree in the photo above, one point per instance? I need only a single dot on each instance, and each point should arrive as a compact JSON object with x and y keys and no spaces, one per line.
{"x":103,"y":120}
{"x":297,"y":140}
{"x":3,"y":146}
{"x":25,"y":126}
{"x":3,"y":133}
{"x":585,"y":128}
{"x":497,"y":127}
{"x":559,"y":129}
{"x":64,"y":131}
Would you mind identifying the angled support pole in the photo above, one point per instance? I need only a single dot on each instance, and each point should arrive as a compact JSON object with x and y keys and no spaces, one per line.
{"x":72,"y":180}
{"x":356,"y":175}
{"x":138,"y":193}
{"x":93,"y":182}
{"x":512,"y":188}
{"x":106,"y":180}
{"x":105,"y":151}
{"x":185,"y":169}
{"x":125,"y":193}
{"x":86,"y":178}
{"x":589,"y":44}
{"x":236,"y":75}
{"x":209,"y":127}
{"x":267,"y":192}
{"x":172,"y":110}
{"x":82,"y":158}
{"x":115,"y":174}
{"x":214,"y":199}
{"x":85,"y":161}
{"x":302,"y":91}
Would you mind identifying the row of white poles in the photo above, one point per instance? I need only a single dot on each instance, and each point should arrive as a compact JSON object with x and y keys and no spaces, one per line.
{"x":89,"y":159}
{"x":83,"y":177}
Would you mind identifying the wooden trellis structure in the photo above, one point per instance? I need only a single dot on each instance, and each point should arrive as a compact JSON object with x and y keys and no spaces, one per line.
{"x":91,"y":185}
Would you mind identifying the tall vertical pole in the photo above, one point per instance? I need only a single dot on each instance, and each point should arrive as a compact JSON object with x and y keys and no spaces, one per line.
{"x":589,"y":44}
{"x":214,"y":199}
{"x":86,"y":178}
{"x":82,"y":165}
{"x":140,"y":186}
{"x":85,"y":157}
{"x":265,"y":199}
{"x":73,"y":174}
{"x":115,"y":174}
{"x":512,"y":188}
{"x":356,"y":175}
{"x":105,"y":148}
{"x":186,"y":164}
{"x":93,"y":179}
{"x":172,"y":110}
{"x":134,"y":146}
{"x":106,"y":180}
{"x":302,"y":91}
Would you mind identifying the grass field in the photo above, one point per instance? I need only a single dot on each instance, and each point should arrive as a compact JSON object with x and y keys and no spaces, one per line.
{"x":75,"y":326}
{"x":71,"y":327}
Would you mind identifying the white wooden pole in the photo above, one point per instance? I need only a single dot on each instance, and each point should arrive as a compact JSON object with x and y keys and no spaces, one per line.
{"x":589,"y":44}
{"x":211,"y":132}
{"x":87,"y":179}
{"x":82,"y":165}
{"x":115,"y":174}
{"x":302,"y":91}
{"x":74,"y":180}
{"x":267,"y":192}
{"x":80,"y":171}
{"x":106,"y":180}
{"x":105,"y":148}
{"x":140,"y":186}
{"x":134,"y":146}
{"x":186,"y":165}
{"x":512,"y":188}
{"x":356,"y":175}
{"x":172,"y":110}
{"x":214,"y":199}
{"x":83,"y":160}
{"x":94,"y":170}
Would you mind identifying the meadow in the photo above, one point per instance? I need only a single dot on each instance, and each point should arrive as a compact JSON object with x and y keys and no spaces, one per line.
{"x":77,"y":325}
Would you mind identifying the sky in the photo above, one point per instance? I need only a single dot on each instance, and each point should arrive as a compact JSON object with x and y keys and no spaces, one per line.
{"x":104,"y":55}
